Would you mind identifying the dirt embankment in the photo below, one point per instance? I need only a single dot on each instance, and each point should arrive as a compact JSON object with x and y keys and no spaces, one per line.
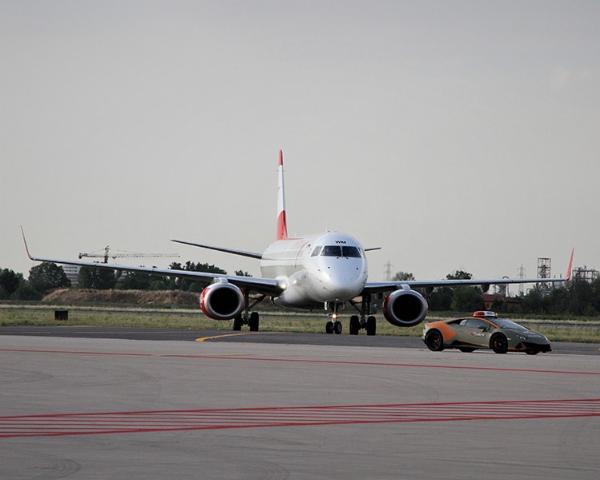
{"x":140,"y":298}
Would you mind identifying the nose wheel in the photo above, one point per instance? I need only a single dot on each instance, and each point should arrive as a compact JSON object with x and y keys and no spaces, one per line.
{"x":333,"y":327}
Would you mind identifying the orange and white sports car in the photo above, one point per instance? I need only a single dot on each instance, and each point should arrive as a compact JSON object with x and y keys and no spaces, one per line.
{"x":483,"y":330}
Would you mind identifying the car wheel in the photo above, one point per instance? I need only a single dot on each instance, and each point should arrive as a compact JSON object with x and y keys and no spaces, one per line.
{"x":434,"y":340}
{"x":466,"y":349}
{"x":532,"y":351}
{"x":499,"y":343}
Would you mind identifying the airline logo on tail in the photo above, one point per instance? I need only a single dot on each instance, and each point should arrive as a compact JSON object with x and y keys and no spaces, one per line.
{"x":281,"y":220}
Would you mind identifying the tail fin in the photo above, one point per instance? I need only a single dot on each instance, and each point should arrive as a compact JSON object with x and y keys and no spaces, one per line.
{"x":281,"y":220}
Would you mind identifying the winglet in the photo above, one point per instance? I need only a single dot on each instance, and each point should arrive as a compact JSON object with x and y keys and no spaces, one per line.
{"x":281,"y":219}
{"x":569,"y":271}
{"x":25,"y":242}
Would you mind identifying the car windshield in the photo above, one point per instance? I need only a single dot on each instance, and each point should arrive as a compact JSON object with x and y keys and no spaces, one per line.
{"x":331,"y":251}
{"x":350,"y":252}
{"x":504,"y":323}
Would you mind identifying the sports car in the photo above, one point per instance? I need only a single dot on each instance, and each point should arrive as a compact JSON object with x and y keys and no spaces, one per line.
{"x":483,"y":330}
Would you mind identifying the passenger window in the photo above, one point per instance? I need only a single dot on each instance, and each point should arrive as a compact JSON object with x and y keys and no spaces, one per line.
{"x":350,"y":252}
{"x":473,"y":323}
{"x":331,"y":251}
{"x":316,"y":251}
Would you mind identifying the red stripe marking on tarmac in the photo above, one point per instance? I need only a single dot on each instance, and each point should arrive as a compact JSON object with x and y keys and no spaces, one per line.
{"x":102,"y":423}
{"x":305,"y":360}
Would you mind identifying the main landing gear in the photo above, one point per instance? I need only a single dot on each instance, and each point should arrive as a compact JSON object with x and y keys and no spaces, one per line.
{"x":252,"y":319}
{"x":357,"y":323}
{"x":364,"y":320}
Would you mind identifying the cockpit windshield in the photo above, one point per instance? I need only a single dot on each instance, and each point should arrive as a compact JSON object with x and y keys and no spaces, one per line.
{"x":350,"y":252}
{"x":338,"y":251}
{"x":331,"y":251}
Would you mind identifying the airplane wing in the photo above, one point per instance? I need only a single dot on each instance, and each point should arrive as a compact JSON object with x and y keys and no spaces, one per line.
{"x":376,"y":287}
{"x":267,"y":286}
{"x":243,"y":253}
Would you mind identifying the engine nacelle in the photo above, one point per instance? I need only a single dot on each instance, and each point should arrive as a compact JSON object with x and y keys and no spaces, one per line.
{"x":221,"y":301}
{"x":405,"y":308}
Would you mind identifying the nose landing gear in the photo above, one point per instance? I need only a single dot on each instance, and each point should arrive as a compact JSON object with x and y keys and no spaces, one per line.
{"x":333,"y":325}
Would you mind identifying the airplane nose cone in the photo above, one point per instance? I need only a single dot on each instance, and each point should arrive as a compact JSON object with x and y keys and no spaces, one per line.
{"x":342,"y":283}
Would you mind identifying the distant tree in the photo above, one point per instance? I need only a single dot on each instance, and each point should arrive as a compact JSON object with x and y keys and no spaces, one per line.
{"x":533,"y":301}
{"x":134,"y":281}
{"x":441,"y":299}
{"x":191,"y":285}
{"x":459,"y":275}
{"x":47,"y":276}
{"x":98,"y":278}
{"x":596,"y":295}
{"x":9,"y":281}
{"x":26,"y":292}
{"x":242,"y":273}
{"x":400,"y":276}
{"x":581,"y":298}
{"x":467,"y":299}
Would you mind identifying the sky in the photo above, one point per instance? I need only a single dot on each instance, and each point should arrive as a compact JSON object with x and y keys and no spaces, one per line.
{"x":454,"y":134}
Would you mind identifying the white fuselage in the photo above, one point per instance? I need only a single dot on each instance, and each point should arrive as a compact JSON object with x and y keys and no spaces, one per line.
{"x":327,"y":267}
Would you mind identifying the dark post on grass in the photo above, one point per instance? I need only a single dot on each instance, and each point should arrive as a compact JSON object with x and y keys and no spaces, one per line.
{"x":61,"y":314}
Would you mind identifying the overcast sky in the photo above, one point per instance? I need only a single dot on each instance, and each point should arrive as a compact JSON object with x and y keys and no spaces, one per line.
{"x":453,"y":134}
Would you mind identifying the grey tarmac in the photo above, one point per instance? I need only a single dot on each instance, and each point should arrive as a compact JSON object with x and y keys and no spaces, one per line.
{"x":96,"y":408}
{"x":244,"y":336}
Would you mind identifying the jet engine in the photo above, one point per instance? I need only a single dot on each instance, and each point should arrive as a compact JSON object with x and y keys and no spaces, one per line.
{"x":405,"y":307}
{"x":221,"y":301}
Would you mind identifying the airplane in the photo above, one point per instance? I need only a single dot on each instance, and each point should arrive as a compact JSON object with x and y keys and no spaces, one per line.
{"x":326,"y":270}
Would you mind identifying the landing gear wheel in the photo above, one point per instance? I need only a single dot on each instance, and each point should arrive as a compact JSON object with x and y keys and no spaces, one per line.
{"x":466,"y":349}
{"x":337,"y":327}
{"x":253,"y":321}
{"x":237,"y":322}
{"x":434,"y":341}
{"x":371,"y":325}
{"x":499,"y":343}
{"x":329,"y":327}
{"x":354,"y":325}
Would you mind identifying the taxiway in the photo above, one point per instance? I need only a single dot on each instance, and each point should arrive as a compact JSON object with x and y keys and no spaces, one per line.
{"x":115,"y":408}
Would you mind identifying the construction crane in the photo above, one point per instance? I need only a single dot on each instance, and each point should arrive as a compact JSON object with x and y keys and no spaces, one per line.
{"x":116,"y":254}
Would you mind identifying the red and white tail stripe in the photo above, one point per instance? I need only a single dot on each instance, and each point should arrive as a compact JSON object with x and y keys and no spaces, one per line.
{"x":281,"y":220}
